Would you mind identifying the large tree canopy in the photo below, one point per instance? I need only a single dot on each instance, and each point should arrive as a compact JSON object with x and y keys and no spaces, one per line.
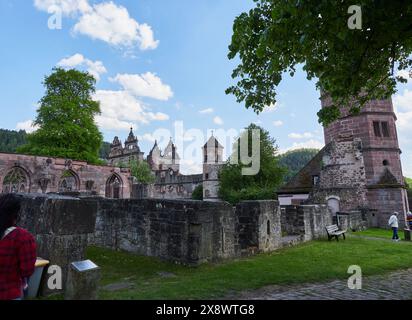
{"x":234,"y":186}
{"x":66,"y":118}
{"x":278,"y":35}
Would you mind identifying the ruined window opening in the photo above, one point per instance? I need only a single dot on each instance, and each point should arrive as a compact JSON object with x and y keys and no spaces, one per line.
{"x":207,"y":176}
{"x":377,"y":129}
{"x":268,"y":227}
{"x":15,"y":181}
{"x":385,"y":163}
{"x":205,"y":160}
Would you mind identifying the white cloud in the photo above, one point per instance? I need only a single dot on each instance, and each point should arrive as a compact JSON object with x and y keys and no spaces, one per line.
{"x":403,"y":109}
{"x":67,"y":7}
{"x":305,"y":135}
{"x":145,"y":85}
{"x":27,"y":126}
{"x":271,"y":108}
{"x":206,"y":111}
{"x":95,"y":68}
{"x":278,"y":123}
{"x":218,"y":120}
{"x":112,"y":23}
{"x":119,"y":109}
{"x":310,"y":144}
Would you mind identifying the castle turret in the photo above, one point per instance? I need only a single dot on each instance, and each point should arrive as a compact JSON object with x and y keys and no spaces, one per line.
{"x":122,"y":156}
{"x":375,"y":127}
{"x":212,"y":163}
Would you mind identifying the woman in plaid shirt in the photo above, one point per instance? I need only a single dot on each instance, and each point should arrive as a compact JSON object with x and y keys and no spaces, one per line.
{"x":17,"y":250}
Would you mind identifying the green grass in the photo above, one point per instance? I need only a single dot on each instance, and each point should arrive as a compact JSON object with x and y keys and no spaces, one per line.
{"x":378,"y":233}
{"x":310,"y":262}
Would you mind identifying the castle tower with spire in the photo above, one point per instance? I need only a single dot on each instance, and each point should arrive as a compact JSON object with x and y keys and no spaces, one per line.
{"x":212,"y":163}
{"x":120,"y":155}
{"x":375,"y":127}
{"x":168,"y":160}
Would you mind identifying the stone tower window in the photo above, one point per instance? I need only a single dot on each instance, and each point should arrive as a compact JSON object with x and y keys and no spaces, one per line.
{"x":207,"y":176}
{"x":385,"y":129}
{"x":377,"y":129}
{"x":385,"y":163}
{"x":381,"y":129}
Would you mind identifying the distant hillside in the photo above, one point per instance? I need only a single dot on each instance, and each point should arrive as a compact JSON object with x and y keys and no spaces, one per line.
{"x":10,"y":140}
{"x":295,"y":160}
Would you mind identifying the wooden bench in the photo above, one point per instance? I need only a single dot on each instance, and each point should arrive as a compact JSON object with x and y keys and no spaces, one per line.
{"x":334,"y":231}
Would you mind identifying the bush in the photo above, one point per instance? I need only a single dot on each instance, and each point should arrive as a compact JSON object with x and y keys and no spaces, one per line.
{"x":198,"y":193}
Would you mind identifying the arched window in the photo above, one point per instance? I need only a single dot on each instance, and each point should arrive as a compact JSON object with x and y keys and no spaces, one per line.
{"x":114,"y":187}
{"x":16,"y":180}
{"x":68,"y":182}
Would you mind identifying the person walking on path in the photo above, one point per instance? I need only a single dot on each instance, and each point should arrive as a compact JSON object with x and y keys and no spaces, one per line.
{"x":394,"y":224}
{"x":17,"y":251}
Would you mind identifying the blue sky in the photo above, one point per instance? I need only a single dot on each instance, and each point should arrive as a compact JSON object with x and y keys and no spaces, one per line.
{"x":158,"y":62}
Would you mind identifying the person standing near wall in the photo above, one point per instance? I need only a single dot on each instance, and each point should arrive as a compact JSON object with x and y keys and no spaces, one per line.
{"x":393,"y":223}
{"x":17,"y":251}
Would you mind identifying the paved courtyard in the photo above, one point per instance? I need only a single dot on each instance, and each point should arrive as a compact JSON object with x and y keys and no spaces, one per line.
{"x":391,"y":286}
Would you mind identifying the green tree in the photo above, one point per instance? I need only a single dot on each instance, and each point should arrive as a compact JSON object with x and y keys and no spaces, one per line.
{"x":408,"y":183}
{"x":235,"y":187}
{"x":277,"y":36}
{"x":141,"y":171}
{"x":295,"y":160}
{"x":66,"y":118}
{"x":197,"y":193}
{"x":10,"y":140}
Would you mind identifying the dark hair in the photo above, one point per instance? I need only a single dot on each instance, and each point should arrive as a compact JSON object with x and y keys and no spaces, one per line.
{"x":9,"y":211}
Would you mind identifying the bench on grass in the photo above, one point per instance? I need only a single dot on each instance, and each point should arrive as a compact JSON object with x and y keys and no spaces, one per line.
{"x":334,"y":231}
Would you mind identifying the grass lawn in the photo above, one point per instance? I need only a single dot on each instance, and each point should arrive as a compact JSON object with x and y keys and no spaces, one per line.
{"x":309,"y":262}
{"x":378,"y":233}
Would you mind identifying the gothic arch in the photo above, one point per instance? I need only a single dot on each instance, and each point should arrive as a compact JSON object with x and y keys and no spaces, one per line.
{"x":114,"y":187}
{"x":69,"y":181}
{"x":16,"y":180}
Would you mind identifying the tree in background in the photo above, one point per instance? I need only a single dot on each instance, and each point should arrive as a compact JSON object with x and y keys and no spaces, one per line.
{"x":408,"y":182}
{"x":66,"y":118}
{"x":10,"y":140}
{"x":141,"y":171}
{"x":295,"y":160}
{"x":197,"y":193}
{"x":235,"y":187}
{"x":276,"y":36}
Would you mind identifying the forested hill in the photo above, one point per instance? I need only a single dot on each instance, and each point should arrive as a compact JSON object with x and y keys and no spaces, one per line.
{"x":295,"y":160}
{"x":10,"y":140}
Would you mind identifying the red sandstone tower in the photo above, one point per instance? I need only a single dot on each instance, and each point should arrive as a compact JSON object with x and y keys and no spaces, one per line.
{"x":376,"y":127}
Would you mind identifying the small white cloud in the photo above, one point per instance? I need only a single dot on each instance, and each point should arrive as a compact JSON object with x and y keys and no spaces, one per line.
{"x":145,"y":85}
{"x":271,"y":108}
{"x":206,"y":111}
{"x":112,"y":23}
{"x":305,"y":135}
{"x":218,"y":120}
{"x":67,"y":7}
{"x":95,"y":68}
{"x":27,"y":126}
{"x":278,"y":123}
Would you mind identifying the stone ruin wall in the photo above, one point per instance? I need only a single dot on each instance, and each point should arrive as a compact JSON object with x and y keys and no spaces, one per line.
{"x":342,"y":175}
{"x":46,"y":175}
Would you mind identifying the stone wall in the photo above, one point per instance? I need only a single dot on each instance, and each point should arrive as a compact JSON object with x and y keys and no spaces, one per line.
{"x":32,"y":174}
{"x":259,"y":226}
{"x":292,"y":220}
{"x":61,"y":226}
{"x":342,"y":175}
{"x":351,"y":221}
{"x":187,"y":232}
